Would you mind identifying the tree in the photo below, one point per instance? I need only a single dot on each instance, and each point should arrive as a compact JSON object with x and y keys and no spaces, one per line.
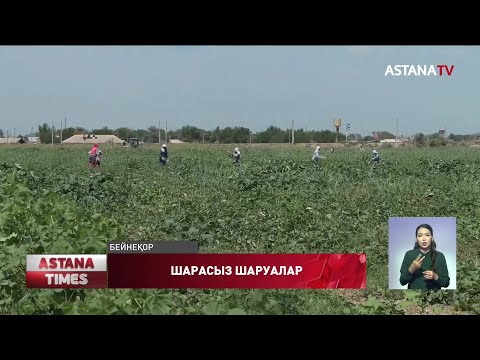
{"x":435,"y":136}
{"x":272,"y":134}
{"x":241,"y":135}
{"x":45,"y":133}
{"x":190,"y":133}
{"x":1,"y":133}
{"x":68,"y":133}
{"x":385,"y":135}
{"x":355,"y":136}
{"x":216,"y":134}
{"x":124,"y":133}
{"x":152,"y":136}
{"x":103,"y":131}
{"x":327,"y":136}
{"x":226,"y":135}
{"x":301,"y":136}
{"x":419,"y":139}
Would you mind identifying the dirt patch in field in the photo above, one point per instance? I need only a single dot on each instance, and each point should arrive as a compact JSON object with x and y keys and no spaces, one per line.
{"x":358,"y":297}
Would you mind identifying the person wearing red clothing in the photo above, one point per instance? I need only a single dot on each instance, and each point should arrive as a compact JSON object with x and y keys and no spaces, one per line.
{"x":94,"y":157}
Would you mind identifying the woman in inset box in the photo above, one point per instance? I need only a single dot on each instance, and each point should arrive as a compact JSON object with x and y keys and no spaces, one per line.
{"x":424,"y":267}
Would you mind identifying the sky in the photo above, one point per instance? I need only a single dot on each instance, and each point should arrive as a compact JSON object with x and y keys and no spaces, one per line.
{"x":250,"y":86}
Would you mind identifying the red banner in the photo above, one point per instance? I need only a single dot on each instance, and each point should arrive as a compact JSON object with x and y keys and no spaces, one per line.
{"x":237,"y":271}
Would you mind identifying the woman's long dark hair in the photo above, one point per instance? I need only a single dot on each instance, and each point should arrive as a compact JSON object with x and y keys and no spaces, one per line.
{"x":433,"y":246}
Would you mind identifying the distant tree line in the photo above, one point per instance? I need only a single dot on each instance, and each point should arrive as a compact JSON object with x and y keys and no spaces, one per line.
{"x":272,"y":134}
{"x":193,"y":134}
{"x":226,"y":135}
{"x":441,"y":139}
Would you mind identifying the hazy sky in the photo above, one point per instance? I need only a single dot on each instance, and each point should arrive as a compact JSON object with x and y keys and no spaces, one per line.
{"x":251,"y":86}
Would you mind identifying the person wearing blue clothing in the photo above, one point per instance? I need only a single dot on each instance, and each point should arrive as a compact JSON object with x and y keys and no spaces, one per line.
{"x":236,"y":156}
{"x":163,"y":155}
{"x":375,"y":157}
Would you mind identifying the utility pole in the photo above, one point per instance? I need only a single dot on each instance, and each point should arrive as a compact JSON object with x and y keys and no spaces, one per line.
{"x":396,"y":138}
{"x":293,"y":132}
{"x":250,"y":137}
{"x":52,"y":132}
{"x":7,"y":136}
{"x":166,"y":136}
{"x":61,"y":132}
{"x":14,"y":132}
{"x":159,"y":133}
{"x":65,"y":120}
{"x":203,"y":136}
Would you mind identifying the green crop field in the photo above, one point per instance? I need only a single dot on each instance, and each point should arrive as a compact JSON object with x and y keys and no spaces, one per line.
{"x":277,"y":201}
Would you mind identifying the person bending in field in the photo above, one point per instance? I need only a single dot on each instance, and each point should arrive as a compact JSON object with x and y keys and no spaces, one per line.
{"x":94,"y":157}
{"x":375,"y":157}
{"x":236,"y":156}
{"x":163,"y":155}
{"x":316,"y":154}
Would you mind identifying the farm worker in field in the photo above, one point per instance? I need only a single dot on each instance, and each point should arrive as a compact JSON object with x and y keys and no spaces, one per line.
{"x":236,"y":155}
{"x":424,"y":267}
{"x":361,"y":147}
{"x":375,"y":156}
{"x":94,"y":157}
{"x":163,"y":155}
{"x":316,"y":153}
